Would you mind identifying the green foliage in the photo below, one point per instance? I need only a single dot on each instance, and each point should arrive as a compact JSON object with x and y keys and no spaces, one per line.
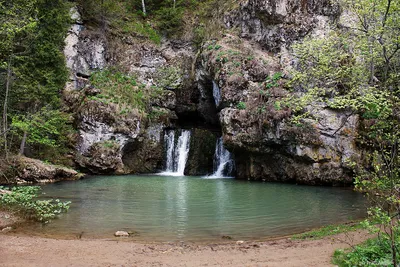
{"x":241,"y":105}
{"x":208,"y":15}
{"x":47,"y":127}
{"x":328,"y":231}
{"x":32,"y":37}
{"x":170,"y":19}
{"x":17,"y":24}
{"x":118,"y":16}
{"x":327,"y":72}
{"x":119,"y":88}
{"x":24,"y":200}
{"x":373,"y":253}
{"x":277,"y":105}
{"x":350,"y":69}
{"x":356,"y":69}
{"x":140,"y":28}
{"x":38,"y":63}
{"x":272,"y":82}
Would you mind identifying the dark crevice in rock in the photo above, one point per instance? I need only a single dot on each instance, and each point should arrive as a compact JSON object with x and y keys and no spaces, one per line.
{"x":82,"y":75}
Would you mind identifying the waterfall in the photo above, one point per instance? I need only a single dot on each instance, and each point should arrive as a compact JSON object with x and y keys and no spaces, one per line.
{"x":182,"y":152}
{"x":169,"y":139}
{"x":223,"y":162}
{"x":177,"y":155}
{"x":216,"y":93}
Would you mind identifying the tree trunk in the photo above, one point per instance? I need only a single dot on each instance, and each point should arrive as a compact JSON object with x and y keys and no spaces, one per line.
{"x":144,"y":7}
{"x":22,"y":146}
{"x":174,"y":4}
{"x":8,"y":85}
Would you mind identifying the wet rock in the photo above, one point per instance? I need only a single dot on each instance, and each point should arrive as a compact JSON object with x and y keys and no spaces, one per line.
{"x":145,"y":154}
{"x":201,"y":153}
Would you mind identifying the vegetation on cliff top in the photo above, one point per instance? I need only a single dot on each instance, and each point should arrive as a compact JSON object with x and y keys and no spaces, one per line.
{"x":187,"y":19}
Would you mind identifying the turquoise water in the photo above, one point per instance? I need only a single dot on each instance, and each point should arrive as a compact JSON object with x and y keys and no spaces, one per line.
{"x":162,"y":208}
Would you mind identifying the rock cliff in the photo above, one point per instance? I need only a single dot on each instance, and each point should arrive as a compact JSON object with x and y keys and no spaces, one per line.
{"x":234,"y":85}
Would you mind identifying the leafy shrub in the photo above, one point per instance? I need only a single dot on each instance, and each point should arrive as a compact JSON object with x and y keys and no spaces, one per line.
{"x":24,"y":200}
{"x":373,"y":252}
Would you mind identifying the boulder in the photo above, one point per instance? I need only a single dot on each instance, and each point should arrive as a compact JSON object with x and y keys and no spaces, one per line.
{"x":36,"y":171}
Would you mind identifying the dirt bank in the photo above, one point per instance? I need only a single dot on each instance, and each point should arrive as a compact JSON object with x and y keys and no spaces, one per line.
{"x":37,"y":251}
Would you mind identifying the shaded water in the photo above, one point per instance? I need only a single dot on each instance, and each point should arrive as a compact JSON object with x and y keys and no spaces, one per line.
{"x":195,"y":209}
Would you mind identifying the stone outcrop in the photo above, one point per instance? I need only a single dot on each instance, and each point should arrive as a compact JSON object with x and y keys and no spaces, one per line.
{"x":256,"y":127}
{"x":112,"y":140}
{"x":35,"y":171}
{"x":277,"y":23}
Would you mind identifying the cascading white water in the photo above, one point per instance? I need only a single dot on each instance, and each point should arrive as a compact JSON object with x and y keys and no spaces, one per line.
{"x":223,"y":162}
{"x":177,"y":155}
{"x":182,"y":152}
{"x":216,"y":94}
{"x":169,"y":138}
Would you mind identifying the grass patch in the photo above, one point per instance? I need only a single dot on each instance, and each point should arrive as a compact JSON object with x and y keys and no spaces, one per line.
{"x":373,"y":252}
{"x":328,"y":231}
{"x":120,"y":89}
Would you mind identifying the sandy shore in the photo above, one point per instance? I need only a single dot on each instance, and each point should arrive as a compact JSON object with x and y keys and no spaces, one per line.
{"x":38,"y":251}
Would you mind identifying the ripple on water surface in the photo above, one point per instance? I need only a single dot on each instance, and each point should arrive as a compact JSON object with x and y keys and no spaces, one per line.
{"x":162,"y":208}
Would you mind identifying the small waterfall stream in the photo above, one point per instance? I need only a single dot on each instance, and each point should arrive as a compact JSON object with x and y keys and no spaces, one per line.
{"x":216,"y":93}
{"x":169,"y":138}
{"x":223,"y":162}
{"x":177,"y":155}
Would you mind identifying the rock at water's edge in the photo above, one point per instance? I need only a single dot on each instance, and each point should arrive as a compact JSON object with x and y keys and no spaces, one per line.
{"x":121,"y":234}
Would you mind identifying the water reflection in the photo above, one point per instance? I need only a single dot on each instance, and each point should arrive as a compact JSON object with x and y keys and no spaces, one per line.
{"x":191,"y":208}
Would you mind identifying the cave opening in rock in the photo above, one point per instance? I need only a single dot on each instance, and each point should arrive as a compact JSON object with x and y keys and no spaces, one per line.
{"x":198,"y":109}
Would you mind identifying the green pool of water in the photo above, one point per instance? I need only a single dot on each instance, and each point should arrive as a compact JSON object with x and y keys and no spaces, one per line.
{"x":163,"y":208}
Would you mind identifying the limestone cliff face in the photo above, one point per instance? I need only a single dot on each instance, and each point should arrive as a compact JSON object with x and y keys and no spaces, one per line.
{"x":232,"y":86}
{"x":251,"y":76}
{"x":277,"y":23}
{"x":112,"y":140}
